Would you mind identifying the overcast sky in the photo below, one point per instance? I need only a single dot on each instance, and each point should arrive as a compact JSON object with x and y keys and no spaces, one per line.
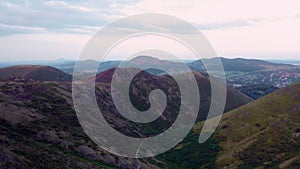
{"x":45,"y":30}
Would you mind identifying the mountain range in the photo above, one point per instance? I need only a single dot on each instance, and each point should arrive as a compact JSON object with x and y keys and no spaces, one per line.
{"x":38,"y":122}
{"x":240,"y":73}
{"x":39,"y":127}
{"x":241,"y":65}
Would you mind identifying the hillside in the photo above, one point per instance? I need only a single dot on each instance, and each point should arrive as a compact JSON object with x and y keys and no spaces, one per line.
{"x":39,"y":127}
{"x":264,"y":133}
{"x":31,"y":72}
{"x":142,"y":84}
{"x":257,"y":91}
{"x":106,"y":76}
{"x":234,"y":97}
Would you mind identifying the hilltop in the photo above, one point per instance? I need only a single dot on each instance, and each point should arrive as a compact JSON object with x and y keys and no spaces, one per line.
{"x":32,"y":72}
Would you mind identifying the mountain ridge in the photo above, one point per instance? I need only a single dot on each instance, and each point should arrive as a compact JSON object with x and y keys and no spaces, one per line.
{"x":38,"y":123}
{"x":34,"y":72}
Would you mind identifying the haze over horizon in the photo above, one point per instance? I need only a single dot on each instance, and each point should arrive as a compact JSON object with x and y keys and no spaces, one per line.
{"x":25,"y":60}
{"x":46,"y":61}
{"x":53,"y":29}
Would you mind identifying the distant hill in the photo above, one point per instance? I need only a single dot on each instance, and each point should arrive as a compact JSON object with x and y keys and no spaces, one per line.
{"x":172,"y":66}
{"x":239,"y":71}
{"x":286,"y":61}
{"x":40,"y":73}
{"x":242,"y":65}
{"x":105,"y":65}
{"x":86,"y":65}
{"x":250,"y":73}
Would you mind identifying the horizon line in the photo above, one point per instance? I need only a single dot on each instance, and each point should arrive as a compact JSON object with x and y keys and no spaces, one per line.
{"x":226,"y":57}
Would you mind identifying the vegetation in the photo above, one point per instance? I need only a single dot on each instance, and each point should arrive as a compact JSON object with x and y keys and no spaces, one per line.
{"x":39,"y":128}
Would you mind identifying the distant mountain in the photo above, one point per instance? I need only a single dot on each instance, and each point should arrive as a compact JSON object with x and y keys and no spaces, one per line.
{"x":30,"y":72}
{"x":86,"y":65}
{"x":172,"y":66}
{"x":239,"y":71}
{"x":37,"y":62}
{"x":242,"y":65}
{"x":262,"y":134}
{"x":105,"y":65}
{"x":286,"y":61}
{"x":247,"y":73}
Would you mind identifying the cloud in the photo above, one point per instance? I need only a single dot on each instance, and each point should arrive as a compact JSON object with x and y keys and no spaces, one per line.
{"x":12,"y":29}
{"x":55,"y":16}
{"x":76,"y":7}
{"x":77,"y":16}
{"x":234,"y":27}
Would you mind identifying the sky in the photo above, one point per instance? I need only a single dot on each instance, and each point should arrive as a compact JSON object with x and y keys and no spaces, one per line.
{"x":47,"y":30}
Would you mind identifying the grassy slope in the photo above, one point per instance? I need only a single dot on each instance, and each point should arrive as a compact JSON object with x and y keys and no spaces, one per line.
{"x":261,"y":133}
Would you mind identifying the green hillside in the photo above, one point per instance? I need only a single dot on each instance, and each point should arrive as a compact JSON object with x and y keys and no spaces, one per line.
{"x":263,"y":133}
